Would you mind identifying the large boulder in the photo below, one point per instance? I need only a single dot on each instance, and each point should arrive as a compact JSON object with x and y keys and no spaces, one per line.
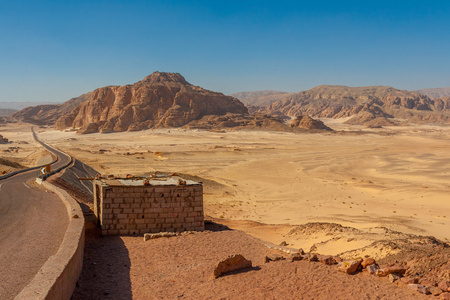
{"x":231,"y":263}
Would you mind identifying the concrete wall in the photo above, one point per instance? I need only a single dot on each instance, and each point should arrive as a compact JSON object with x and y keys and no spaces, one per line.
{"x":128,"y":210}
{"x":58,"y":276}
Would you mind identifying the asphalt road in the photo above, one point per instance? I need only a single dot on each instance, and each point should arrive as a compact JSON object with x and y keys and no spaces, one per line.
{"x":33,"y":222}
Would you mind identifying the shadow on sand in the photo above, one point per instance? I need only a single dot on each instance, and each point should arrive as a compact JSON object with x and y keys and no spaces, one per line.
{"x":213,"y":226}
{"x":103,"y":277}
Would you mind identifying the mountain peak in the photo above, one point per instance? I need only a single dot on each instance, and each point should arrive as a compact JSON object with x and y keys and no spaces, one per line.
{"x":165,"y":77}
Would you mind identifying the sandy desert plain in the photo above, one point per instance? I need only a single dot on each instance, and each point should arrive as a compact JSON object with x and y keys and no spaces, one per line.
{"x":380,"y":184}
{"x":369,"y":179}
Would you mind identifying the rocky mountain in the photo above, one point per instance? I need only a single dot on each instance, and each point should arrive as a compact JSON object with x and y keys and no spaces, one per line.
{"x":159,"y":100}
{"x":260,"y":98}
{"x":372,"y":106}
{"x":306,"y":122}
{"x":435,"y":92}
{"x":47,"y":114}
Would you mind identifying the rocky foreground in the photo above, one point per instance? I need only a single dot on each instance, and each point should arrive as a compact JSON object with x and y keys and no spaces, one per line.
{"x":183,"y":267}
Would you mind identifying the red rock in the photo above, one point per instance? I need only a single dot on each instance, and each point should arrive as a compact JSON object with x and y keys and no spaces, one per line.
{"x":427,"y":282}
{"x":435,"y":291}
{"x":372,"y":269}
{"x":424,"y":289}
{"x":295,"y":257}
{"x":444,"y":285}
{"x":275,"y":257}
{"x":444,"y":296}
{"x":349,"y":266}
{"x":394,"y":277}
{"x":231,"y":263}
{"x":367,"y":261}
{"x":328,"y":260}
{"x":409,"y":280}
{"x":385,"y":271}
{"x":420,"y":288}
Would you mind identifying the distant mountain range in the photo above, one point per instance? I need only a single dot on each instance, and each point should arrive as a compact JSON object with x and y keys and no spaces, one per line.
{"x":371,"y":106}
{"x":21,"y":105}
{"x":4,"y":112}
{"x":48,"y":113}
{"x":436,"y":92}
{"x":260,"y":98}
{"x":168,"y":100}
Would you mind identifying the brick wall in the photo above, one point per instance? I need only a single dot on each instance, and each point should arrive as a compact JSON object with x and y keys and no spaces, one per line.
{"x":128,"y":210}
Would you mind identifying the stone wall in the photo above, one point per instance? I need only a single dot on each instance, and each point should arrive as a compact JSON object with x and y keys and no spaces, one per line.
{"x":128,"y":210}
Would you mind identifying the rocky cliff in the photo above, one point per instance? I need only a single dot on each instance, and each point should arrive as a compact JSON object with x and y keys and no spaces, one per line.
{"x":378,"y":105}
{"x":159,"y":100}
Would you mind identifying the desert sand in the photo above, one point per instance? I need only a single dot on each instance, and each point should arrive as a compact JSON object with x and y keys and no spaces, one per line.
{"x":393,"y":178}
{"x":22,"y":150}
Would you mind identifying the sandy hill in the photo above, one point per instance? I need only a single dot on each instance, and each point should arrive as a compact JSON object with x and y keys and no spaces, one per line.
{"x":435,"y":92}
{"x":159,"y":100}
{"x":260,"y":98}
{"x":373,"y":105}
{"x":48,"y":113}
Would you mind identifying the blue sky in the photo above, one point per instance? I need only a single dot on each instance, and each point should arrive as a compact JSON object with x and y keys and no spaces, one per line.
{"x":56,"y":50}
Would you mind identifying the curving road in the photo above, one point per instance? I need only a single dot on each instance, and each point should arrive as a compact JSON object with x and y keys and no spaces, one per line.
{"x":33,"y":222}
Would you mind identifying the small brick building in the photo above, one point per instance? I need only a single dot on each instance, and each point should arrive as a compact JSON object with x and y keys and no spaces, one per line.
{"x":127,"y":206}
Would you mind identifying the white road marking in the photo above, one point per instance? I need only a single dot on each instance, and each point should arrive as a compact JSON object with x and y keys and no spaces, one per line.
{"x":26,"y":185}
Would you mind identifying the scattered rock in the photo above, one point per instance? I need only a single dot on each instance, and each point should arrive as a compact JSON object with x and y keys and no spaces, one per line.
{"x":284,"y":244}
{"x":444,"y":296}
{"x":274,"y":257}
{"x":313,"y":257}
{"x":385,"y":271}
{"x":444,"y":285}
{"x":394,"y":277}
{"x":328,"y":260}
{"x":408,"y":280}
{"x":420,"y":288}
{"x":295,"y":257}
{"x":349,"y":266}
{"x":428,"y":282}
{"x":372,"y":269}
{"x":424,"y":289}
{"x":231,"y":263}
{"x":435,"y":291}
{"x":367,"y":261}
{"x":150,"y":236}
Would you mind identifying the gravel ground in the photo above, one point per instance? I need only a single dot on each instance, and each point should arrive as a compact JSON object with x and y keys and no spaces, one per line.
{"x":182,"y":267}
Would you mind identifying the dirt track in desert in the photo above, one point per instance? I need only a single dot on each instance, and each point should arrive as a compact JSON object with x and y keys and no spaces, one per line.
{"x":395,"y":178}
